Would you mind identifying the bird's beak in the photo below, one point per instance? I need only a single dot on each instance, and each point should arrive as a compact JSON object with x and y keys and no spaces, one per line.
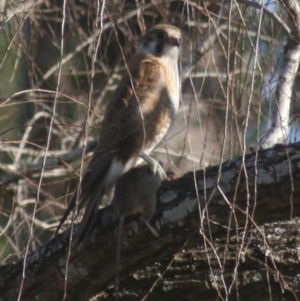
{"x":174,"y":41}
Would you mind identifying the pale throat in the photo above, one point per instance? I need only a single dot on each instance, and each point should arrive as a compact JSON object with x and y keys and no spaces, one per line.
{"x":171,"y":68}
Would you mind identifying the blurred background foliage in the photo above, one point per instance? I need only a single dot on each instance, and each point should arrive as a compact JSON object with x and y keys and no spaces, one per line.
{"x":59,"y":67}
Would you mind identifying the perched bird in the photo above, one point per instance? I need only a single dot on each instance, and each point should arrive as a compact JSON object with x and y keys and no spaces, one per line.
{"x":137,"y":118}
{"x":135,"y":193}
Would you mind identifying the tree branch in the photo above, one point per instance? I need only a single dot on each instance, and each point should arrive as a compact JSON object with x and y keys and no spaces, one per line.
{"x":272,"y":177}
{"x":11,"y":175}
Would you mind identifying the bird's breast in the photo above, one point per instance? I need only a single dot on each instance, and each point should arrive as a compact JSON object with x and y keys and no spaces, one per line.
{"x":166,"y":91}
{"x":161,"y":105}
{"x":173,"y":85}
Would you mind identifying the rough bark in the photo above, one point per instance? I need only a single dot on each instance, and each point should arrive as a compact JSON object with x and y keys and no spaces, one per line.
{"x":220,"y":249}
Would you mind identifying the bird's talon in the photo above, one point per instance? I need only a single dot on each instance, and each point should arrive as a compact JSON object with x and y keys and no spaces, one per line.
{"x":154,"y":165}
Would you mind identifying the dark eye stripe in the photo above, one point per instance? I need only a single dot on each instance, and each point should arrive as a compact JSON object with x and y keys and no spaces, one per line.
{"x":160,"y":34}
{"x":159,"y":49}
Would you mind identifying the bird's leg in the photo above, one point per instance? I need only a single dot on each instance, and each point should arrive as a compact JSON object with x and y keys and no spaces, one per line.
{"x":154,"y":165}
{"x":135,"y":228}
{"x":152,"y":230}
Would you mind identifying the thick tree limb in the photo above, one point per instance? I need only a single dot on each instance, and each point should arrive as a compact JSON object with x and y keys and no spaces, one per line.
{"x":230,"y":204}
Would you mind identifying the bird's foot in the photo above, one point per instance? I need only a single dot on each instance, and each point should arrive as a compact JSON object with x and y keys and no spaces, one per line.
{"x":154,"y":165}
{"x":135,"y":228}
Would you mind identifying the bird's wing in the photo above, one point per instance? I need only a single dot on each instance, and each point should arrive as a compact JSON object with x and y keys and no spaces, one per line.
{"x":121,"y":132}
{"x":137,"y":93}
{"x":123,"y":123}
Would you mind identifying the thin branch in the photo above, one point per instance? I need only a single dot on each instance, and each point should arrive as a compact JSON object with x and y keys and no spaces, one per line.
{"x":12,"y":175}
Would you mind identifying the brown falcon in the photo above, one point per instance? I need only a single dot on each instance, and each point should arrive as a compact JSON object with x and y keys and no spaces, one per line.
{"x":136,"y":119}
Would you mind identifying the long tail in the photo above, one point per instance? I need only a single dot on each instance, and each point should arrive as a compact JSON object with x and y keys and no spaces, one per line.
{"x":90,"y":195}
{"x":69,"y":209}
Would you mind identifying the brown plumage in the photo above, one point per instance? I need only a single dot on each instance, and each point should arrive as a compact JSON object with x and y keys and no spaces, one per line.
{"x":136,"y":119}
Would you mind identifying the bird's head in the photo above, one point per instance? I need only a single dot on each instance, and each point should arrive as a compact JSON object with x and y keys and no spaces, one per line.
{"x":162,"y":40}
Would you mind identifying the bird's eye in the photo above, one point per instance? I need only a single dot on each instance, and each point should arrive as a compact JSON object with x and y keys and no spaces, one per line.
{"x":160,"y":34}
